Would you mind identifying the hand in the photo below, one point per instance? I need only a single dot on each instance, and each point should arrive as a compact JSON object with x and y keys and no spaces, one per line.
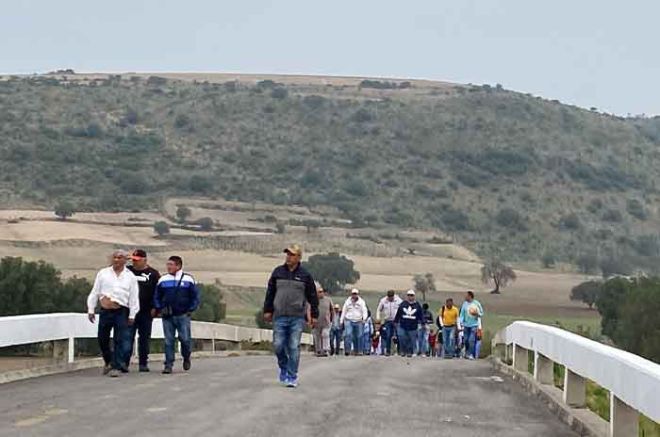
{"x":312,"y":323}
{"x":131,"y":321}
{"x":91,"y":317}
{"x":268,"y":317}
{"x":154,"y":312}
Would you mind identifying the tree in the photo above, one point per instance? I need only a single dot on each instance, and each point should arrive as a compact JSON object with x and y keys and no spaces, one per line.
{"x":499,"y":273}
{"x":28,"y":287}
{"x":64,"y":209}
{"x":161,"y":228}
{"x":587,"y":292}
{"x":182,"y":213}
{"x":587,"y":263}
{"x":211,"y":307}
{"x":206,"y":223}
{"x":332,"y":270}
{"x":424,"y":284}
{"x":548,"y":260}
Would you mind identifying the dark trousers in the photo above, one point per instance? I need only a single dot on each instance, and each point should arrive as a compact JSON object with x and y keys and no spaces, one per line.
{"x":335,"y":340}
{"x":142,"y":327}
{"x":117,"y":322}
{"x":387,"y":332}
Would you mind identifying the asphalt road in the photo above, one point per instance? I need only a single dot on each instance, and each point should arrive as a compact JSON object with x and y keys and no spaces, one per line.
{"x":239,"y":396}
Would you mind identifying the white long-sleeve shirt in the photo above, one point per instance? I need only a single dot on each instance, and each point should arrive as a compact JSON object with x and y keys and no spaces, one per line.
{"x":121,"y":288}
{"x":387,"y":308}
{"x":355,"y":311}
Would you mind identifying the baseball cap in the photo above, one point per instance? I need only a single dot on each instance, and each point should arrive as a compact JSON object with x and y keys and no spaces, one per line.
{"x":138,"y":254}
{"x":355,"y":291}
{"x":337,"y":306}
{"x":293,"y":249}
{"x":410,"y":292}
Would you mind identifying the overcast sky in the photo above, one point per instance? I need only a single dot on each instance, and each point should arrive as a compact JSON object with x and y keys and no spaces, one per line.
{"x":601,"y":53}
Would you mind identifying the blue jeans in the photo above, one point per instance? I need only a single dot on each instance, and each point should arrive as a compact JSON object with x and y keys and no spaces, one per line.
{"x":117,"y":322}
{"x":448,"y":341}
{"x":407,"y":341}
{"x":287,"y":331}
{"x":142,"y":326}
{"x":422,"y":340}
{"x":353,"y":332}
{"x":335,"y":340}
{"x":387,"y":332}
{"x":180,"y":324}
{"x":470,"y":339}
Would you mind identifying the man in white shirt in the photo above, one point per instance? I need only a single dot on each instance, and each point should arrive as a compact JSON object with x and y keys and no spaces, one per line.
{"x":353,"y":316}
{"x":116,"y":289}
{"x":385,"y":313}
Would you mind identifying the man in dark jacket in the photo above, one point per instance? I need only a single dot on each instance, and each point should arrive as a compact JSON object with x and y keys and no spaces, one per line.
{"x":290,"y":288}
{"x":176,"y":297}
{"x":408,"y":318}
{"x":147,"y":278}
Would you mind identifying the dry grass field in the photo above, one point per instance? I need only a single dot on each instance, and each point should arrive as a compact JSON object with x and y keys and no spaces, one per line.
{"x":81,"y":245}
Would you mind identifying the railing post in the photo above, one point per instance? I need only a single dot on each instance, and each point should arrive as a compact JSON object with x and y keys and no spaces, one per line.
{"x":574,"y":389}
{"x":624,"y":420}
{"x":543,"y":369}
{"x":71,"y":351}
{"x":520,"y":358}
{"x":508,"y":353}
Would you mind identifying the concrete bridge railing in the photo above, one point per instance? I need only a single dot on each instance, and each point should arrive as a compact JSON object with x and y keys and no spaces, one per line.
{"x":64,"y":328}
{"x":633,"y":382}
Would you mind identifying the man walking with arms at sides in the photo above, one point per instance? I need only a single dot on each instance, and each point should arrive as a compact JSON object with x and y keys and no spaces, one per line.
{"x":385,"y":313}
{"x":147,"y":278}
{"x":176,"y":297}
{"x":448,"y":319}
{"x":409,"y":317}
{"x":116,"y":289}
{"x":321,"y":331}
{"x":424,"y":330}
{"x":353,"y":316}
{"x":335,"y":331}
{"x":290,"y":288}
{"x":470,"y":320}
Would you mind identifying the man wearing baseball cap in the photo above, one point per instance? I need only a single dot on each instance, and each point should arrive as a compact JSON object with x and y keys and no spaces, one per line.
{"x":147,"y":278}
{"x":290,"y":288}
{"x":409,"y":317}
{"x":335,"y":331}
{"x":353,"y":316}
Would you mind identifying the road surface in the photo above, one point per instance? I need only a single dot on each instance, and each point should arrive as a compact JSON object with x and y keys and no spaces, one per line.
{"x":239,"y":396}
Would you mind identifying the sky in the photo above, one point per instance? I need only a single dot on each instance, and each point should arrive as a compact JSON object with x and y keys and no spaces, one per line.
{"x":601,"y":54}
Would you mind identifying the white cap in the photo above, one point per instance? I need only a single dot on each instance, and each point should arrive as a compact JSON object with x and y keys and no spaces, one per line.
{"x":410,"y":292}
{"x":355,"y":291}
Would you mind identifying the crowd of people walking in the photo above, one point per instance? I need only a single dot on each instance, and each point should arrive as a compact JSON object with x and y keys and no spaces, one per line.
{"x":402,"y":327}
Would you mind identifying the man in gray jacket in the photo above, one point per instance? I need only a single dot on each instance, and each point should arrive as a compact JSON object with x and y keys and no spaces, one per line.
{"x":321,"y":331}
{"x":290,"y":288}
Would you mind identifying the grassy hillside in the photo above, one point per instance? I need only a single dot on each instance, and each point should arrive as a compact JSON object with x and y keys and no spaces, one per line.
{"x":502,"y":172}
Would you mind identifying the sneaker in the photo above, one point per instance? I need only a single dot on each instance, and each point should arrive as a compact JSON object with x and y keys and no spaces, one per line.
{"x":284,"y":378}
{"x":470,"y":357}
{"x":186,"y":364}
{"x":113,"y":373}
{"x":143,"y":368}
{"x":167,"y":370}
{"x":292,"y":383}
{"x":106,"y":369}
{"x":123,"y":369}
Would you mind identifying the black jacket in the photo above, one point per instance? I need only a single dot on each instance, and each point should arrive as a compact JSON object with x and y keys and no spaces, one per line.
{"x":288,"y":291}
{"x":147,"y":280}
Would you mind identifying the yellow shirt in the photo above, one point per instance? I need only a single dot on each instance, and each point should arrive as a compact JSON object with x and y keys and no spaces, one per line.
{"x":449,"y":316}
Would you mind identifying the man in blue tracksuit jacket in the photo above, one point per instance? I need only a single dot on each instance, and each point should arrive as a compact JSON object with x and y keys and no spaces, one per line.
{"x":409,"y":317}
{"x":176,"y":297}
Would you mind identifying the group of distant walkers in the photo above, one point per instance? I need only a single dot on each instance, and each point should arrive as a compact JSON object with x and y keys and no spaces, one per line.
{"x":293,"y":299}
{"x":131,"y":296}
{"x":401,"y":327}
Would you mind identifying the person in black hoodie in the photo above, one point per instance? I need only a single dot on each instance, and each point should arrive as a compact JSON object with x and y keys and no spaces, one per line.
{"x":409,"y":317}
{"x":147,"y":278}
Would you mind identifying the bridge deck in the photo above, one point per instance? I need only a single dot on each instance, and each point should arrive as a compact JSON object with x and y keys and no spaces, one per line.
{"x":239,"y":396}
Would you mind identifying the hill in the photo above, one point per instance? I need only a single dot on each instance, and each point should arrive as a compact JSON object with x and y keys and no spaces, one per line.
{"x":501,"y":172}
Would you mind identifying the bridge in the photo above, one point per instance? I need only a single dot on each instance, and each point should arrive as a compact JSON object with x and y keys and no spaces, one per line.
{"x":236,"y":393}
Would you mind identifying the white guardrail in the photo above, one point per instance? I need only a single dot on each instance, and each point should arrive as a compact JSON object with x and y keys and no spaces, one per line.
{"x":35,"y":328}
{"x":633,"y":382}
